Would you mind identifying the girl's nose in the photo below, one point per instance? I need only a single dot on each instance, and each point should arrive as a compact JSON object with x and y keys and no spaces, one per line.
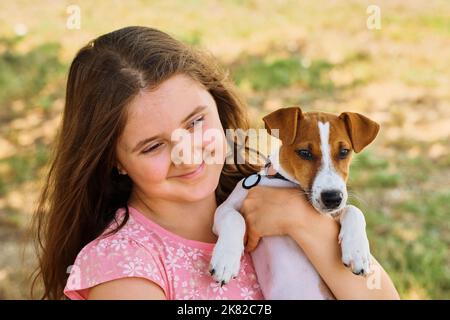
{"x":188,"y":151}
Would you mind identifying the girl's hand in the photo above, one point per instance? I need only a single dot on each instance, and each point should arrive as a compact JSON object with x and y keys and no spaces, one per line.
{"x":270,"y":211}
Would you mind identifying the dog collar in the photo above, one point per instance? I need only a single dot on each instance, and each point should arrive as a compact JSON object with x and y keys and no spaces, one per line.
{"x":269,"y":172}
{"x":251,"y":181}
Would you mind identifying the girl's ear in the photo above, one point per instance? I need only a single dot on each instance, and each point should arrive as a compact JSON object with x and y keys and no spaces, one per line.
{"x":120,"y":169}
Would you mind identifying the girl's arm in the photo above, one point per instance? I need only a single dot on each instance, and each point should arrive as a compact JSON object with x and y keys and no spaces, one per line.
{"x":317,"y":236}
{"x":284,"y":211}
{"x":127,"y":289}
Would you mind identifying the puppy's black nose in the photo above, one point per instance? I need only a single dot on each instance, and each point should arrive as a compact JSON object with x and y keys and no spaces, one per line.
{"x":331,"y":198}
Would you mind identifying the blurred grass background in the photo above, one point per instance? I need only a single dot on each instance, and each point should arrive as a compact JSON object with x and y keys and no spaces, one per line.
{"x":317,"y":54}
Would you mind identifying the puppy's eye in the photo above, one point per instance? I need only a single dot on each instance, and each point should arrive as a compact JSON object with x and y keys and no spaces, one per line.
{"x":343,"y":153}
{"x":305,"y":154}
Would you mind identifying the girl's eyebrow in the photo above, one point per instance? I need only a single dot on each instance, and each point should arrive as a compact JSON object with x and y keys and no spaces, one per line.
{"x":147,"y":140}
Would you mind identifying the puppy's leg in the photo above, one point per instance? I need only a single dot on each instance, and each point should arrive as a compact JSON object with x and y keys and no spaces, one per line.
{"x":229,"y":226}
{"x":353,"y":240}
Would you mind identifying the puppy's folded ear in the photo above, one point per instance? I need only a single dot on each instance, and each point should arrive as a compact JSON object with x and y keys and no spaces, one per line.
{"x":285,"y":120}
{"x":362,"y":130}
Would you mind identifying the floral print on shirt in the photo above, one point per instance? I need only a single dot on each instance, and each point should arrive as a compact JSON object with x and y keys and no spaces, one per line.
{"x":144,"y":249}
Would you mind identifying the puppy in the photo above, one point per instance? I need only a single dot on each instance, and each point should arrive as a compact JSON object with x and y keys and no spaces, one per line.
{"x":315,"y":156}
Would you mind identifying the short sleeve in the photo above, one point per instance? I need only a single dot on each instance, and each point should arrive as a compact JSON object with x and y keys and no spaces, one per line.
{"x":110,"y":259}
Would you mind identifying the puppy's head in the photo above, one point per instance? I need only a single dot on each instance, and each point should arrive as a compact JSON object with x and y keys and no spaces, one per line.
{"x":317,"y":150}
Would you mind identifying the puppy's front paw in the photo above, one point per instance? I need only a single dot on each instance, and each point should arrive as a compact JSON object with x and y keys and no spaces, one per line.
{"x":226,"y":260}
{"x":354,"y":243}
{"x":356,"y":253}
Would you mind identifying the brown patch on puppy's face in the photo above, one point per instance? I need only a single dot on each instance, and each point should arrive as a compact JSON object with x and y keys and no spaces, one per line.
{"x":302,"y":158}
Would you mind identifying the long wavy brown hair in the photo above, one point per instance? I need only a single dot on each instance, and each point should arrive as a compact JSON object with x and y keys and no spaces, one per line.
{"x":83,"y":189}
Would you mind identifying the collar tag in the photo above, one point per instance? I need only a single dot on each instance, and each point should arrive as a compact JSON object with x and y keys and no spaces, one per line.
{"x":251,"y":181}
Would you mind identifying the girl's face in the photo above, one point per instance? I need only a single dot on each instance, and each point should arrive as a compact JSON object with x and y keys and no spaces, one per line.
{"x":145,"y":151}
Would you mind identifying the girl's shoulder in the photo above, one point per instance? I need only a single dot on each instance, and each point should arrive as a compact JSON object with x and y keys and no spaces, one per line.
{"x":132,"y":251}
{"x":133,"y":236}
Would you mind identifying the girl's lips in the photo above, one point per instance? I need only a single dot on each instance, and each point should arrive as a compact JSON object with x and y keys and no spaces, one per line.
{"x":195,"y":173}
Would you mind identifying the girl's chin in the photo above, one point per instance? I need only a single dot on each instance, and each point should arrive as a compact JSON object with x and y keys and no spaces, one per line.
{"x":196,"y":193}
{"x":198,"y":190}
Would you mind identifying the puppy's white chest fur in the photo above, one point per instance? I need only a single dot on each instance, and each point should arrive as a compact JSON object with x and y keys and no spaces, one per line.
{"x":284,"y":271}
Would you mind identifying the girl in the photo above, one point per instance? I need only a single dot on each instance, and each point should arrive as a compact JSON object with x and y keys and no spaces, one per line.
{"x":126,"y":220}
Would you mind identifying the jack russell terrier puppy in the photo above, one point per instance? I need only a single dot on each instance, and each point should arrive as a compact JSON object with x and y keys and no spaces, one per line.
{"x":315,"y":155}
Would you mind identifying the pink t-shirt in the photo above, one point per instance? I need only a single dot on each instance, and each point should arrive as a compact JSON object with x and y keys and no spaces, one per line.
{"x":142,"y":248}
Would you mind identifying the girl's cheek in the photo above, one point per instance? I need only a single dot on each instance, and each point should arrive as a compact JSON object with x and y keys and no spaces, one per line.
{"x":205,"y":136}
{"x":214,"y":145}
{"x":212,"y":132}
{"x":156,"y":168}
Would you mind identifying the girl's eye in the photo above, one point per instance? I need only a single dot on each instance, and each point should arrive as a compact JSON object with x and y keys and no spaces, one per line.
{"x":196,"y":121}
{"x":152,"y":148}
